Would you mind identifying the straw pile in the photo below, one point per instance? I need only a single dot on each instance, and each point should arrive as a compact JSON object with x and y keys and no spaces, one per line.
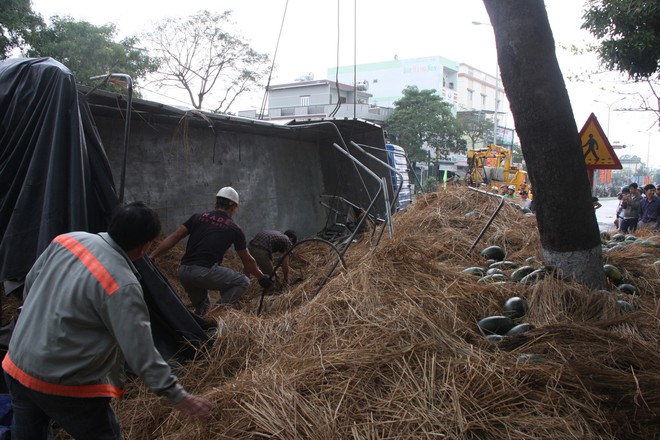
{"x":390,"y":349}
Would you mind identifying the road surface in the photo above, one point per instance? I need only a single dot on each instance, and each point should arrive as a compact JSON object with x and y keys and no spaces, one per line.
{"x":606,"y":213}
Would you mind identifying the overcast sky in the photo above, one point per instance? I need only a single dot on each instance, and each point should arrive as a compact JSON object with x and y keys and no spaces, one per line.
{"x":407,"y":29}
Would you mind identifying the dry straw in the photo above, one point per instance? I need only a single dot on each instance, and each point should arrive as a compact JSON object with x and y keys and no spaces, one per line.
{"x":390,"y":349}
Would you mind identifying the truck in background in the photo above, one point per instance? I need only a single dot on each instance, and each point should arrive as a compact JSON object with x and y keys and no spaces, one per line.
{"x":493,"y":166}
{"x":396,"y":156}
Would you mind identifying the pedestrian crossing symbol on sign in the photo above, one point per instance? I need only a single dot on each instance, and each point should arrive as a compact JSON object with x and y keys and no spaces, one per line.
{"x":598,"y":153}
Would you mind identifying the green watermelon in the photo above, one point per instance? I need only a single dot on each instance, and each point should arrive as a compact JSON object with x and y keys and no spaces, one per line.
{"x":515,"y":307}
{"x":476,"y":271}
{"x":613,"y":273}
{"x":495,"y":325}
{"x":493,"y":253}
{"x":521,"y":272}
{"x":520,"y":328}
{"x":627,"y":288}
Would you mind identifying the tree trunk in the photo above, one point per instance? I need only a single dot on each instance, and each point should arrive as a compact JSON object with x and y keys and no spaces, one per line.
{"x":549,"y":138}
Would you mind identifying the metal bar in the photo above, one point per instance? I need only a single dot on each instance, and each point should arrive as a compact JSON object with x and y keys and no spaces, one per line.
{"x":343,"y":251}
{"x":387,"y":165}
{"x":492,"y":217}
{"x":359,"y":225}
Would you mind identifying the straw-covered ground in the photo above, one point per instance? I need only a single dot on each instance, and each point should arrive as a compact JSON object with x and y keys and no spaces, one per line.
{"x":389,"y":348}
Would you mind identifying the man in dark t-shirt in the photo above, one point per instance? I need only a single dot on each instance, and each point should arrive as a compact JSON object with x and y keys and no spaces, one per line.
{"x":211,"y":234}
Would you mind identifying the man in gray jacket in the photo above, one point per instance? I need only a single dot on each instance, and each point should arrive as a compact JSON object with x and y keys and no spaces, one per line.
{"x":630,"y":209}
{"x":83,"y":316}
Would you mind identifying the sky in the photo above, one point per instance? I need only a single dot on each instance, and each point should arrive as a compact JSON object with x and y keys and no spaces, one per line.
{"x":313,"y":41}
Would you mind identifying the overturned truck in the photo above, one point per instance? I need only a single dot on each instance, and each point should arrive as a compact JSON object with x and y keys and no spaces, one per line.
{"x":63,"y":147}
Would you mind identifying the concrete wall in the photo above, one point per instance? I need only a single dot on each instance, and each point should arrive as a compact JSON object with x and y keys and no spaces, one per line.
{"x":178,"y":165}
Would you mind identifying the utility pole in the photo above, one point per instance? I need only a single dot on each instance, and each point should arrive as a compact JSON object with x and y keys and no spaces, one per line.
{"x":497,"y":87}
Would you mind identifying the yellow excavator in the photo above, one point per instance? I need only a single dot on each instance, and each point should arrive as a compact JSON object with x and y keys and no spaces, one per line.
{"x":492,"y":166}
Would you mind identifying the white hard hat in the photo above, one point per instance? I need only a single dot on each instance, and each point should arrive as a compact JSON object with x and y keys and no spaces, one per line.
{"x":228,"y":193}
{"x":512,"y":187}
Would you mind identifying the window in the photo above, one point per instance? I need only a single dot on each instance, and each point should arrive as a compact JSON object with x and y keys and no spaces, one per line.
{"x":470,"y":94}
{"x":483,"y":99}
{"x":304,"y":101}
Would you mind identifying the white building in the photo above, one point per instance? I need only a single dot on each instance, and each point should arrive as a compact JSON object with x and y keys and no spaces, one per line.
{"x":320,"y":99}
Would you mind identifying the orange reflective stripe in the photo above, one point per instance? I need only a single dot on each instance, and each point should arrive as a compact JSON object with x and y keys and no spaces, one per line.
{"x":100,"y":390}
{"x":90,"y":261}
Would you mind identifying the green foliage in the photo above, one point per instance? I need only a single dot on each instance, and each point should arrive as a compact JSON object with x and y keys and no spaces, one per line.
{"x":421,"y":117}
{"x":629,"y":34}
{"x":17,"y":23}
{"x":89,"y":50}
{"x":199,"y":55}
{"x":431,"y":184}
{"x":476,"y":127}
{"x":516,"y":153}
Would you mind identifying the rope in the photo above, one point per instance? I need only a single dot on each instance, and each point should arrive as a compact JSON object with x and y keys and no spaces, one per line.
{"x":272,"y":66}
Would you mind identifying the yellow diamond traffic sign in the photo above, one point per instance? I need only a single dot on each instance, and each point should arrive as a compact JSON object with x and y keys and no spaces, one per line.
{"x":598,"y":153}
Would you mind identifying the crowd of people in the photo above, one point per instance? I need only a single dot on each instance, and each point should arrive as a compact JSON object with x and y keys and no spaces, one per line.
{"x":638,"y":209}
{"x":519,"y":195}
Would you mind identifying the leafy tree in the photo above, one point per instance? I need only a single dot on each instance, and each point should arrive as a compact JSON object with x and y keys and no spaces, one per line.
{"x":549,"y":138}
{"x":90,"y":50}
{"x":629,"y":42}
{"x":201,"y":57}
{"x":17,"y":23}
{"x":629,"y":34}
{"x":475,"y":126}
{"x":516,"y":153}
{"x":421,"y":118}
{"x":431,"y":184}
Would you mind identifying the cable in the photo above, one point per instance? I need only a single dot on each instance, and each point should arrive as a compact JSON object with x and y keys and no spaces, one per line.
{"x":354,"y":59}
{"x":272,"y":66}
{"x":336,"y":109}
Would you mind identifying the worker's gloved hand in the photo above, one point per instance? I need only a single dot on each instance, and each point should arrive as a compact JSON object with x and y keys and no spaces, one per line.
{"x":195,"y":407}
{"x":265,"y":282}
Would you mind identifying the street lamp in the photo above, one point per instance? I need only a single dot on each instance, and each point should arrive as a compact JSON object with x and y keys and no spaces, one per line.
{"x":497,"y":86}
{"x":609,"y":111}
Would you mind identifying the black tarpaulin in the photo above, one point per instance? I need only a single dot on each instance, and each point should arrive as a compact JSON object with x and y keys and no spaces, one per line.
{"x":48,"y":170}
{"x":55,"y":178}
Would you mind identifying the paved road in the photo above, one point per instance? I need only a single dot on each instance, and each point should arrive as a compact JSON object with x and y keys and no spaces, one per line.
{"x":605,"y":214}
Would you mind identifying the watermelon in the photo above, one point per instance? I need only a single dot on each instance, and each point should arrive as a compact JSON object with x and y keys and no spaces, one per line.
{"x":494,"y":271}
{"x":476,"y":271}
{"x":520,"y":328}
{"x":521,"y":272}
{"x":495,"y":325}
{"x":626,"y":306}
{"x":534,"y":276}
{"x":627,"y":288}
{"x":613,"y":273}
{"x":494,"y":253}
{"x":494,"y":278}
{"x":494,"y":338}
{"x":515,"y":307}
{"x":504,"y":265}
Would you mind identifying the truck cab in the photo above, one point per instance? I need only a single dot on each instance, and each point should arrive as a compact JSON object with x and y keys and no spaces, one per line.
{"x":396,"y":157}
